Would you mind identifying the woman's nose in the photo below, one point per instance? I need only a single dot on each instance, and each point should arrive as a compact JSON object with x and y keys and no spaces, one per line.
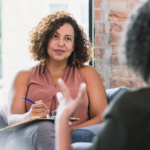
{"x":61,"y":42}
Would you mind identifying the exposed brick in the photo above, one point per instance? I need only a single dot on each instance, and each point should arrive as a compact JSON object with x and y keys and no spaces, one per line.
{"x":131,"y":83}
{"x":118,"y":5}
{"x":135,"y":83}
{"x":102,"y":51}
{"x":116,"y":26}
{"x":117,"y":82}
{"x":99,"y":15}
{"x":98,"y":3}
{"x":114,"y":39}
{"x":118,"y":16}
{"x":114,"y":60}
{"x":99,"y":67}
{"x":122,"y":72}
{"x":145,"y":84}
{"x":131,"y":5}
{"x":133,"y":0}
{"x":99,"y":53}
{"x":142,"y":0}
{"x":101,"y":4}
{"x":99,"y":28}
{"x":99,"y":40}
{"x":114,"y":50}
{"x":96,"y":65}
{"x":96,"y":54}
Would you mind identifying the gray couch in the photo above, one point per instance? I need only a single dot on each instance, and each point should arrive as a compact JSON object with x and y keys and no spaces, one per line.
{"x":80,"y":137}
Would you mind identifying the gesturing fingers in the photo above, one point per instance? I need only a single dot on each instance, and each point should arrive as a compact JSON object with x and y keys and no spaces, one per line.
{"x":81,"y":93}
{"x":60,"y":97}
{"x":68,"y":106}
{"x":79,"y":98}
{"x":64,"y":90}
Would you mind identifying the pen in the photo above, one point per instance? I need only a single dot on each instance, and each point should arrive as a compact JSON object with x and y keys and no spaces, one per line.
{"x":31,"y":101}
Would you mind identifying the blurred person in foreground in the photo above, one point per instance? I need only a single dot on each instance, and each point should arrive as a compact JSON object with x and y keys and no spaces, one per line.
{"x":127,"y":118}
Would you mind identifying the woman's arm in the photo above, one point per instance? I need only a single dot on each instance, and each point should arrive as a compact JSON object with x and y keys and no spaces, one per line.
{"x":97,"y":96}
{"x":67,"y":108}
{"x":16,"y":105}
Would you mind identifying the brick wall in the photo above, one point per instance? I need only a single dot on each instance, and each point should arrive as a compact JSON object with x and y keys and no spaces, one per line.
{"x":103,"y":49}
{"x":110,"y":17}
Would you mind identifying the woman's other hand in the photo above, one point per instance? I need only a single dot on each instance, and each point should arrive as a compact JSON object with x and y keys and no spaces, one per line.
{"x":67,"y":106}
{"x":38,"y":109}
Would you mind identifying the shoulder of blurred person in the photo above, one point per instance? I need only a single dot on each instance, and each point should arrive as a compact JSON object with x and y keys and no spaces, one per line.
{"x":126,"y":122}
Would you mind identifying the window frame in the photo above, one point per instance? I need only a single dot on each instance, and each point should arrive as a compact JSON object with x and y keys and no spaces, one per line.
{"x":91,"y":29}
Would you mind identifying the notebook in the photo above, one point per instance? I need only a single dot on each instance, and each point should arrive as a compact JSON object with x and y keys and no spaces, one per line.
{"x":20,"y":125}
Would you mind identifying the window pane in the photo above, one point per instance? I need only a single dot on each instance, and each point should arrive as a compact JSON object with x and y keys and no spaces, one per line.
{"x":58,"y":7}
{"x":84,"y":13}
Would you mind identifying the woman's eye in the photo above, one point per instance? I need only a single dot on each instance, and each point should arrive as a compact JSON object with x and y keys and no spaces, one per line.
{"x":55,"y":36}
{"x":67,"y":38}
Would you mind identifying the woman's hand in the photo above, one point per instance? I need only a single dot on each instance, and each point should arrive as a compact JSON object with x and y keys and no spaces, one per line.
{"x":38,"y":109}
{"x":67,"y":106}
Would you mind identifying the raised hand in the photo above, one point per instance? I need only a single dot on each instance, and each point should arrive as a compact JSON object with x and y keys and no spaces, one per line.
{"x":68,"y":106}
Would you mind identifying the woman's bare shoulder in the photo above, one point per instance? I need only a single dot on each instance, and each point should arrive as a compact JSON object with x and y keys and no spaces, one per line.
{"x":91,"y":76}
{"x":23,"y":76}
{"x":88,"y":71}
{"x":25,"y":72}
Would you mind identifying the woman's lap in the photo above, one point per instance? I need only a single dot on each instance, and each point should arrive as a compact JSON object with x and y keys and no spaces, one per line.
{"x":39,"y":135}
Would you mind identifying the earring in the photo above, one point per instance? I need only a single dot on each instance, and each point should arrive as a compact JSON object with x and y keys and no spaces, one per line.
{"x":74,"y":60}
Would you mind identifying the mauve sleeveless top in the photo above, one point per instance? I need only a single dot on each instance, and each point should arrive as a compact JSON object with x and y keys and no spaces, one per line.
{"x":42,"y":87}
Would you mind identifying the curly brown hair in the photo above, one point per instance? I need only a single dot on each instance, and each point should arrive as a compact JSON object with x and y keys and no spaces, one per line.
{"x":43,"y":32}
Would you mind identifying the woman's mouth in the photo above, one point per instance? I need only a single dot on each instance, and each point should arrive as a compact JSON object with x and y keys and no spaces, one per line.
{"x":59,"y":51}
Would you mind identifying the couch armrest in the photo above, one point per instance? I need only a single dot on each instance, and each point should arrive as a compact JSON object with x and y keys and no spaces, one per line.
{"x":111,"y":93}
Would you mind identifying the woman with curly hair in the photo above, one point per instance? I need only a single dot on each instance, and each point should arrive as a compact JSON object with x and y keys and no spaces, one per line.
{"x":61,"y":47}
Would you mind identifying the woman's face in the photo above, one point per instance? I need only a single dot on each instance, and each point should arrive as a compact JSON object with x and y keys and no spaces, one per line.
{"x":61,"y":44}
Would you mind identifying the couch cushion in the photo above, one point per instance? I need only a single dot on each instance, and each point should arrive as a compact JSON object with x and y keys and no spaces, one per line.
{"x":86,"y":134}
{"x":111,"y":93}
